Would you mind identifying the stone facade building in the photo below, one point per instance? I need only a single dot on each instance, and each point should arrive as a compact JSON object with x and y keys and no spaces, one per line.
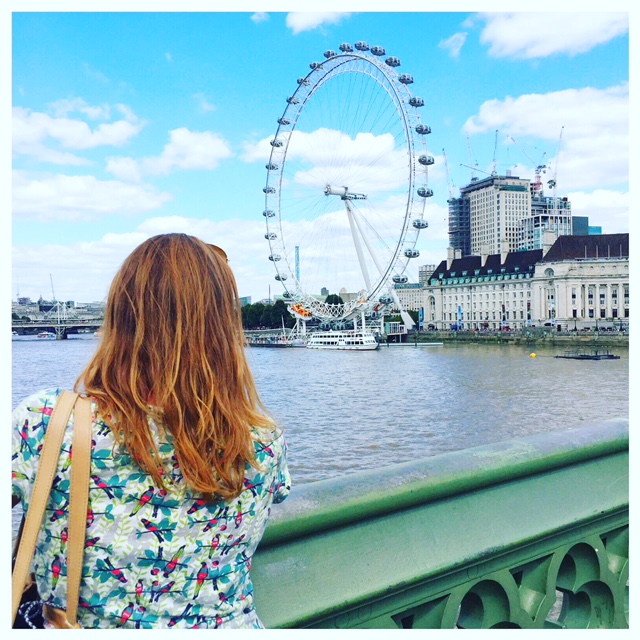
{"x":578,"y":282}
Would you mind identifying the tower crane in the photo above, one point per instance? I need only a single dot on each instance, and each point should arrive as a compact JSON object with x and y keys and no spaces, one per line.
{"x":553,"y":182}
{"x":471,"y":159}
{"x":450,"y":184}
{"x":539,"y":168}
{"x":495,"y":148}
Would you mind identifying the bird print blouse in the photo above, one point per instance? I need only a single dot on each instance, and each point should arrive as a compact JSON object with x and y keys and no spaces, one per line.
{"x":153,"y":558}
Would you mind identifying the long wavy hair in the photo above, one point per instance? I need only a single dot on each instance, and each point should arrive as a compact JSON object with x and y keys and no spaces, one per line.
{"x":172,"y":338}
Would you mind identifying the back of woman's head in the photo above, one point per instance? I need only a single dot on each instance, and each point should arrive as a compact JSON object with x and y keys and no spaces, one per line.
{"x":172,"y":338}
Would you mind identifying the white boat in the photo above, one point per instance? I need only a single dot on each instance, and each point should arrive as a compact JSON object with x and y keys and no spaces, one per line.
{"x":356,"y":340}
{"x":47,"y":335}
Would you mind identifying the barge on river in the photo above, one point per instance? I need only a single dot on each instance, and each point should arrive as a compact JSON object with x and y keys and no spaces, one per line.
{"x":594,"y":354}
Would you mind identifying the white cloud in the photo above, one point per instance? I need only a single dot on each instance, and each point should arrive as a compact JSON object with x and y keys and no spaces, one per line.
{"x":454,"y":44}
{"x":607,"y":209}
{"x":191,"y":150}
{"x":32,"y":131}
{"x":83,"y":271}
{"x":299,"y":21}
{"x":595,"y":142}
{"x":260,"y":16}
{"x":62,"y":108}
{"x":203,"y":104}
{"x":539,"y":35}
{"x":63,"y":197}
{"x":126,"y":169}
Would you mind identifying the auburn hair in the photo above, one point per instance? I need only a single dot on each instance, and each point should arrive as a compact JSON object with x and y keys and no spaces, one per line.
{"x":172,"y":338}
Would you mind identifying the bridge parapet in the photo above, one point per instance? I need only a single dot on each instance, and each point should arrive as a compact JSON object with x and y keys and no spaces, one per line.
{"x":527,"y":533}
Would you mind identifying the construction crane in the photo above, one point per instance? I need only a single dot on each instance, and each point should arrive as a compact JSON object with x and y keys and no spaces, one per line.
{"x":471,"y":160}
{"x":495,"y":148}
{"x":539,"y":168}
{"x":450,"y":184}
{"x":552,"y":183}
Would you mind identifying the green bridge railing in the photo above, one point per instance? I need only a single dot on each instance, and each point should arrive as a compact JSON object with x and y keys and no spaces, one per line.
{"x":527,"y":533}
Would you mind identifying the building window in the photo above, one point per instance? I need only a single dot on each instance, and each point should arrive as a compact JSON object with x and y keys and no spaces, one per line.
{"x":602,"y":313}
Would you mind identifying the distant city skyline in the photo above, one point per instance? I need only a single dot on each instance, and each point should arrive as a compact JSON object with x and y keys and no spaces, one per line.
{"x":130,"y":124}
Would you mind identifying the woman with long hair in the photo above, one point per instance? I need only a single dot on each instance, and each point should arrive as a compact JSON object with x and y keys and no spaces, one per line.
{"x":186,"y":461}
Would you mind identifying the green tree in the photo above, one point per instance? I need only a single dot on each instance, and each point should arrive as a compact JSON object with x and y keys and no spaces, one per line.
{"x":333,"y":298}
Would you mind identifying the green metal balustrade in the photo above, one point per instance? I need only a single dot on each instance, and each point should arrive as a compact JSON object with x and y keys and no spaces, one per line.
{"x":527,"y":533}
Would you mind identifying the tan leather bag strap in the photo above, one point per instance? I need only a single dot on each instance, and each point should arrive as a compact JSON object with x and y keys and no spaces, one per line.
{"x":80,"y":472}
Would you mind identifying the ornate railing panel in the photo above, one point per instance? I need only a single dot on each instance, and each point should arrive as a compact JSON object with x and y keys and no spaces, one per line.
{"x":528,"y":533}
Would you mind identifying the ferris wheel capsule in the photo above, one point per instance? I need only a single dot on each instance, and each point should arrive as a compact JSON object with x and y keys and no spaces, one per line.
{"x":392,"y":61}
{"x":345,"y":47}
{"x":286,"y":295}
{"x":271,"y":235}
{"x":362,"y":46}
{"x":269,"y":190}
{"x":316,"y":65}
{"x":280,"y":277}
{"x":400,"y":279}
{"x":416,"y":101}
{"x":385,"y":299}
{"x":378,"y":51}
{"x":426,"y":160}
{"x":423,"y":129}
{"x":274,"y":257}
{"x":405,"y":78}
{"x":420,"y":223}
{"x":330,"y":54}
{"x":269,"y":214}
{"x":411,"y":253}
{"x":276,"y":143}
{"x":271,"y":166}
{"x":303,"y":82}
{"x":284,"y":121}
{"x":425,"y":193}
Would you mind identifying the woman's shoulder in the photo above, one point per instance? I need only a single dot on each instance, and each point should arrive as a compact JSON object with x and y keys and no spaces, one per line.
{"x":269,"y":438}
{"x":41,"y":402}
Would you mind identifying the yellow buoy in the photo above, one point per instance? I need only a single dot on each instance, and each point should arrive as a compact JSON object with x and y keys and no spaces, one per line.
{"x":533,"y":355}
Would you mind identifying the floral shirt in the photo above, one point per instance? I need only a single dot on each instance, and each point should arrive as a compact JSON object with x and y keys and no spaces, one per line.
{"x":153,"y":558}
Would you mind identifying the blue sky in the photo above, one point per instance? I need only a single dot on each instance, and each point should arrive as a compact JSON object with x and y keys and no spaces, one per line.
{"x":130,"y":124}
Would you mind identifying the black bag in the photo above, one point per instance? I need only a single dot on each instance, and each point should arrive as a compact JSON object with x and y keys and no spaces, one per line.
{"x":30,"y":611}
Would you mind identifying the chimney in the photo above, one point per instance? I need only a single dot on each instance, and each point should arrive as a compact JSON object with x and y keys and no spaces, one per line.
{"x":484,"y":254}
{"x":450,"y":256}
{"x":548,"y":240}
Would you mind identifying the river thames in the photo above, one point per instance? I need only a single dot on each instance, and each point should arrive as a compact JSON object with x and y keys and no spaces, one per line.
{"x":347,"y":411}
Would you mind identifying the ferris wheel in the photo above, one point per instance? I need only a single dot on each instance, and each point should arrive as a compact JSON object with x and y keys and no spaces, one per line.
{"x":346,"y":184}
